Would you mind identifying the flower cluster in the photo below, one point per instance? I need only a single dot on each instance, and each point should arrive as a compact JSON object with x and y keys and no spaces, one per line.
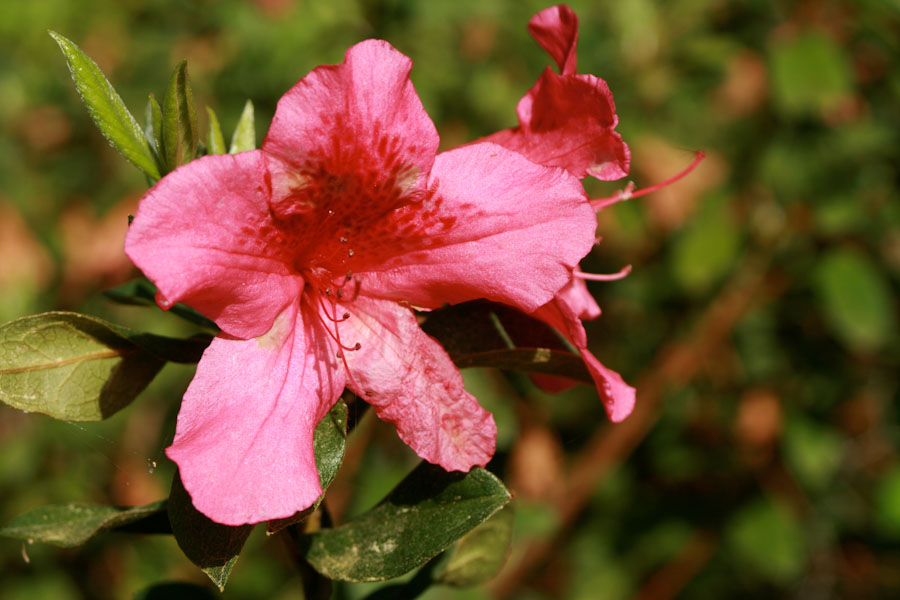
{"x":310,"y":252}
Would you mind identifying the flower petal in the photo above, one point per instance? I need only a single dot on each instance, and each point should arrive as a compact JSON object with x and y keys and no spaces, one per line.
{"x":361,"y":119}
{"x":556,"y":30}
{"x":204,"y":236}
{"x":244,"y":439}
{"x":563,"y":314}
{"x":411,"y":381}
{"x":569,"y":121}
{"x":498,"y":227}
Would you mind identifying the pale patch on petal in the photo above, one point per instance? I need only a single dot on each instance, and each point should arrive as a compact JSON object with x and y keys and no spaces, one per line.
{"x":244,"y":439}
{"x":411,"y":381}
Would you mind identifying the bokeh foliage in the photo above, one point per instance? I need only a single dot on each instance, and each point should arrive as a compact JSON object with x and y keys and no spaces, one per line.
{"x":759,"y":324}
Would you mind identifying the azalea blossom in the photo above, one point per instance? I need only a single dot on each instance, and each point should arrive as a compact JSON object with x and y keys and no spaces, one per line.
{"x":568,"y":120}
{"x":309,"y":254}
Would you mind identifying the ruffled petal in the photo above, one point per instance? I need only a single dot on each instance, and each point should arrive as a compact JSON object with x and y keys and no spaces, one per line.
{"x":344,"y":129}
{"x":569,"y":121}
{"x":496,"y":226}
{"x":244,"y":438}
{"x":556,"y":30}
{"x":411,"y":381}
{"x":204,"y":236}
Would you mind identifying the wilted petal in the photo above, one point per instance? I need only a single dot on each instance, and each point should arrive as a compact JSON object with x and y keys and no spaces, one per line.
{"x":556,"y":30}
{"x":497,"y":226}
{"x":244,"y":439}
{"x":204,"y":236}
{"x":569,"y":121}
{"x":411,"y":381}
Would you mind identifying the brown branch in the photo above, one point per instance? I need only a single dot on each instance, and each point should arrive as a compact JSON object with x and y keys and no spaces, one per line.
{"x":670,"y":580}
{"x":675,"y":365}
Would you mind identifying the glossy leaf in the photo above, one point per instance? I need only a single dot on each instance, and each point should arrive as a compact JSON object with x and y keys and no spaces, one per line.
{"x":329,"y":440}
{"x":244,"y":137}
{"x":179,"y":123}
{"x":481,"y":553}
{"x":209,"y":545}
{"x":106,"y":108}
{"x":71,"y":367}
{"x":142,"y":291}
{"x":420,"y":518}
{"x":70,"y":525}
{"x":216,"y":139}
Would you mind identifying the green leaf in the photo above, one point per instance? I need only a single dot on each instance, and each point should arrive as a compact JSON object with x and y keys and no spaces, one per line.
{"x":244,"y":137}
{"x":420,"y":518}
{"x":73,"y":524}
{"x":106,"y":108}
{"x":809,"y":73}
{"x":887,"y":503}
{"x":767,"y":540}
{"x":481,"y":553}
{"x":856,"y":299}
{"x":480,"y":333}
{"x":179,"y":125}
{"x":209,"y":545}
{"x":153,"y":125}
{"x":216,"y":139}
{"x":71,"y":367}
{"x":329,"y":441}
{"x":142,"y":292}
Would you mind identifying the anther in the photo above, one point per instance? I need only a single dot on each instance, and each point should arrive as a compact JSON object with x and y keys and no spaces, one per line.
{"x":340,"y":293}
{"x":350,"y":252}
{"x":343,"y":240}
{"x":345,"y":316}
{"x":357,"y":346}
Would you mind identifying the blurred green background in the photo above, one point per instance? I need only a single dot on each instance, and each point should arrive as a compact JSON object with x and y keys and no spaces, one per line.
{"x":759,"y":324}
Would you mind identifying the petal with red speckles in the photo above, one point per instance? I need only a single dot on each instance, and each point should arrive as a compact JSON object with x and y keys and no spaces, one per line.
{"x":498,"y":227}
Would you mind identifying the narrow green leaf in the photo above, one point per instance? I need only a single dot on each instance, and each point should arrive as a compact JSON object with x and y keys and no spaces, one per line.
{"x":329,"y":441}
{"x":481,"y":553}
{"x":73,"y":524}
{"x":153,"y":125}
{"x":244,"y":137}
{"x":141,"y":291}
{"x":216,"y":139}
{"x":106,"y":108}
{"x":71,"y":366}
{"x":179,"y":123}
{"x":209,"y":545}
{"x":420,"y":518}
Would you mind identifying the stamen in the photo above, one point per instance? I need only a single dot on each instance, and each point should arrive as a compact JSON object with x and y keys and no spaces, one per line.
{"x":628,"y":192}
{"x":623,"y":273}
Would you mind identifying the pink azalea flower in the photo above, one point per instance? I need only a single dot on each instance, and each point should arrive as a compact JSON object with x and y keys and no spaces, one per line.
{"x":309,"y":253}
{"x":569,"y":120}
